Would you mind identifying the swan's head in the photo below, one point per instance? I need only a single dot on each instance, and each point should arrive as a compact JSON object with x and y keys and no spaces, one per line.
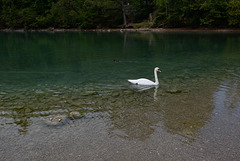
{"x":157,"y":69}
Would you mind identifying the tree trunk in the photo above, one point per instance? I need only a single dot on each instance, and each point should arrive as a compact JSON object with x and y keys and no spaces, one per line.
{"x":124,"y":15}
{"x":166,"y":10}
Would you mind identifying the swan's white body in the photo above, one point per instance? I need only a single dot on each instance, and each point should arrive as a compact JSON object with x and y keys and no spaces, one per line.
{"x":144,"y":81}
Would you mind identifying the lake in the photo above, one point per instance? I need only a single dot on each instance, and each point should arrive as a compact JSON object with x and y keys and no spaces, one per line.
{"x":65,"y":96}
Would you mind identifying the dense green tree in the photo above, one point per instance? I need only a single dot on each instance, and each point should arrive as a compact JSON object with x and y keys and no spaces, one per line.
{"x":168,"y":13}
{"x":214,"y":13}
{"x":118,"y":13}
{"x":234,"y":12}
{"x":141,"y":9}
{"x":84,"y":14}
{"x":2,"y":23}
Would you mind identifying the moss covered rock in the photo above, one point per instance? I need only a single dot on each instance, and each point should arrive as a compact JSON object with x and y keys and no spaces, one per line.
{"x":75,"y":115}
{"x":53,"y":121}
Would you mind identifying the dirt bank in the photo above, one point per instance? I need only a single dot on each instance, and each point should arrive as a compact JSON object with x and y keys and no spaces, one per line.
{"x":235,"y":30}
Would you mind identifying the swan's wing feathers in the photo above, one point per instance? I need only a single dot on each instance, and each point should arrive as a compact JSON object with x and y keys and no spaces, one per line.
{"x":142,"y":81}
{"x":145,"y":81}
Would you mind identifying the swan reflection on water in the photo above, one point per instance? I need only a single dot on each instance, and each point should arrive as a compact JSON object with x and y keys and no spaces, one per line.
{"x":147,"y":87}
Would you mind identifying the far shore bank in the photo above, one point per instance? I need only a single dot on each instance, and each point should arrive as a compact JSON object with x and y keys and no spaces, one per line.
{"x":237,"y":30}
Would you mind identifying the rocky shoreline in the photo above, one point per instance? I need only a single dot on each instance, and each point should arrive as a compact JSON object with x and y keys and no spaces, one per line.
{"x":233,"y":30}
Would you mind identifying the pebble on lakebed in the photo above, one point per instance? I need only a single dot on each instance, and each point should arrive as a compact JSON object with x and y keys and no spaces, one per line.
{"x":128,"y":92}
{"x":58,"y":120}
{"x":177,"y":91}
{"x":75,"y":115}
{"x":115,"y":94}
{"x":90,"y":93}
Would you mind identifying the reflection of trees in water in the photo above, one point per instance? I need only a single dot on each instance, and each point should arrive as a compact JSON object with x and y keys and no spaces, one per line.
{"x":129,"y":110}
{"x":132,"y":114}
{"x":185,"y":114}
{"x":136,"y":115}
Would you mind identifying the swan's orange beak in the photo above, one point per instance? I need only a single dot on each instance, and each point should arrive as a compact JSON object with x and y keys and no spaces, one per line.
{"x":159,"y":70}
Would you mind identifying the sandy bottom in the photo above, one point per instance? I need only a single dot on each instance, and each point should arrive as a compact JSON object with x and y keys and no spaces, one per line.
{"x":93,"y":140}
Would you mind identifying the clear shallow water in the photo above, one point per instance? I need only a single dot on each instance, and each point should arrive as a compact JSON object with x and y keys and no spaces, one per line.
{"x":45,"y":75}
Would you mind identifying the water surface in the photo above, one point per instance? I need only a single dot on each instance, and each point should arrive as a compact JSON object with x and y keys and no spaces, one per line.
{"x":194,"y":114}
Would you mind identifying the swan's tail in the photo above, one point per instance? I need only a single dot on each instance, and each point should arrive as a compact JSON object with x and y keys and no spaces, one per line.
{"x":133,"y":81}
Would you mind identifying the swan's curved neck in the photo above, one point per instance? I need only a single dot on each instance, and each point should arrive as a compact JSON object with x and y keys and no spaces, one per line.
{"x":156,"y":77}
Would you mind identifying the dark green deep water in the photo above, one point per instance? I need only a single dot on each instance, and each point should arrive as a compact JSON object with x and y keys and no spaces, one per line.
{"x":194,"y":114}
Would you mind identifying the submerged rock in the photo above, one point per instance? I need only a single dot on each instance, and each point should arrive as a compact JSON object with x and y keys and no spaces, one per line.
{"x":177,"y":91}
{"x":128,"y":92}
{"x":90,"y":93}
{"x":174,"y":91}
{"x":116,"y":94}
{"x":75,"y":115}
{"x":28,"y":110}
{"x":74,"y":103}
{"x":58,"y":120}
{"x":186,"y":91}
{"x":187,"y":131}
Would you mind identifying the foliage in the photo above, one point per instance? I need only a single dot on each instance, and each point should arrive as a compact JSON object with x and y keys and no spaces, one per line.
{"x":211,"y":13}
{"x":114,"y":13}
{"x":234,"y":12}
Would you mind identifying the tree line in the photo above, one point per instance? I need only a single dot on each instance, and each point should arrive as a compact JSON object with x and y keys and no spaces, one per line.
{"x":89,"y":14}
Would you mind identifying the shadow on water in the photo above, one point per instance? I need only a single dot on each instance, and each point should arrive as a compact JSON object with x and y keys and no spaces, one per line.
{"x":52,"y":75}
{"x":131,"y":113}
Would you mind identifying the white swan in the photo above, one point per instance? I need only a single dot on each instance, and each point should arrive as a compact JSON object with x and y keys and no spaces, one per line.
{"x":144,"y":81}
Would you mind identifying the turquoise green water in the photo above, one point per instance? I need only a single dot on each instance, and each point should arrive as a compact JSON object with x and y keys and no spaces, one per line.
{"x":193,"y":113}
